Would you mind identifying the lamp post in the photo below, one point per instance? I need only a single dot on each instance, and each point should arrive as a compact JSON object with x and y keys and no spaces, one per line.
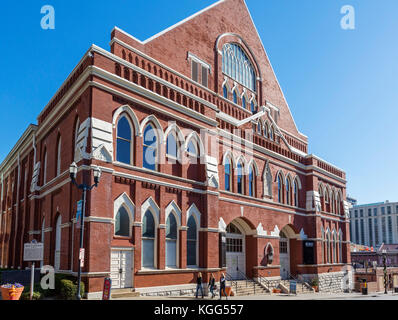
{"x":385,"y":270}
{"x":85,"y":188}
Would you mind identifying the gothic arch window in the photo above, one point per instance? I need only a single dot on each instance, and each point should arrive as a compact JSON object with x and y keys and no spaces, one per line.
{"x":59,"y":146}
{"x":252,"y":106}
{"x":252,"y":182}
{"x":124,"y":141}
{"x":225,"y":91}
{"x":192,"y":149}
{"x":172,"y":145}
{"x":323,"y":245}
{"x":237,"y":65}
{"x":280,"y":188}
{"x":267,"y":181}
{"x":45,"y":167}
{"x":192,"y":241}
{"x":235,"y":97}
{"x":240,"y":179}
{"x":296,"y":193}
{"x":271,"y":133}
{"x":288,"y":197}
{"x":150,"y":150}
{"x":122,"y":223}
{"x":76,"y":137}
{"x":259,"y":127}
{"x":244,"y":102}
{"x":334,"y":247}
{"x":228,"y":174}
{"x":58,"y":241}
{"x":171,"y":241}
{"x":148,"y":240}
{"x":340,"y":247}
{"x":328,"y":248}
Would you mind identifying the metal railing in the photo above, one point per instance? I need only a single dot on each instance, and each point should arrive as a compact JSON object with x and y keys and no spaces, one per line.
{"x":266,"y":283}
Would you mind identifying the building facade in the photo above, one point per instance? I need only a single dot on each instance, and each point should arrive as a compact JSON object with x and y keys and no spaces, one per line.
{"x":203,"y":167}
{"x":375,"y":223}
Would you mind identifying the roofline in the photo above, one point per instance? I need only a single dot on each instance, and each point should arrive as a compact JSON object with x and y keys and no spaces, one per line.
{"x":31,"y":129}
{"x":171,"y":27}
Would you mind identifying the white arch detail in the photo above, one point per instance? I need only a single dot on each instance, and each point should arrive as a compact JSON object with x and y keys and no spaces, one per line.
{"x":173,"y":207}
{"x":131,"y":117}
{"x":194,"y":135}
{"x":159,"y":130}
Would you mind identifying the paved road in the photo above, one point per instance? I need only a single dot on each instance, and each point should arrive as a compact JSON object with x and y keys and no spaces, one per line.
{"x":318,"y":296}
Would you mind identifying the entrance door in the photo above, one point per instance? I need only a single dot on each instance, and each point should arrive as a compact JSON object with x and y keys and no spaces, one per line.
{"x":122,"y":269}
{"x":236,"y":257}
{"x":284,"y":256}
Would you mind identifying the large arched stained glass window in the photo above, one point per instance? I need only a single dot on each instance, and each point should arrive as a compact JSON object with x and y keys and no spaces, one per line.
{"x":235,"y":97}
{"x":123,"y":142}
{"x":150,"y":148}
{"x":148,"y":240}
{"x":295,"y":192}
{"x":172,"y":145}
{"x":122,"y":223}
{"x":244,"y":102}
{"x":171,"y":242}
{"x":192,"y":237}
{"x":288,"y":191}
{"x":236,"y":64}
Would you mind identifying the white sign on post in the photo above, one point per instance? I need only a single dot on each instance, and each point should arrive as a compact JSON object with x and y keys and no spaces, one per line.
{"x":33,"y":252}
{"x":82,"y":254}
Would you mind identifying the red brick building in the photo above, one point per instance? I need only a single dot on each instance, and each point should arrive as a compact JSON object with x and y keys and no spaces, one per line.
{"x":203,"y":167}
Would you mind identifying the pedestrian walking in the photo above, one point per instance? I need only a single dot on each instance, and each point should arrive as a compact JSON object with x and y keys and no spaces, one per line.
{"x":212,"y":285}
{"x":222,"y":286}
{"x":199,"y":285}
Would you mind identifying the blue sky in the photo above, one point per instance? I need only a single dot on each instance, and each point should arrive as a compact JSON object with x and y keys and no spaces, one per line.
{"x":341,"y":85}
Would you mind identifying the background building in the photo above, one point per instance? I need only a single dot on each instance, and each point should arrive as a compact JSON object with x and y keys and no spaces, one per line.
{"x":203,"y":167}
{"x":375,"y":223}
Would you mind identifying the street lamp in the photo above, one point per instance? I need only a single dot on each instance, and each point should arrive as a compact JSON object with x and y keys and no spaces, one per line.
{"x":385,"y":270}
{"x":85,"y":188}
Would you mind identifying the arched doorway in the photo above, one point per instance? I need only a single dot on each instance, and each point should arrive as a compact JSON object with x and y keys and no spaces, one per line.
{"x":235,"y":251}
{"x":284,"y":251}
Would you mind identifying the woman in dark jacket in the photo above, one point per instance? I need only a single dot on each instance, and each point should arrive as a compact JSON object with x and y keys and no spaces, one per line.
{"x":199,"y":285}
{"x":212,"y":285}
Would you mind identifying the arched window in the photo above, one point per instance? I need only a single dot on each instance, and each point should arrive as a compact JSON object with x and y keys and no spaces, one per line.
{"x":171,"y":241}
{"x":124,"y":141}
{"x":280,"y":191}
{"x":77,"y":127}
{"x":235,"y":97}
{"x":259,"y":127}
{"x":240,"y":178}
{"x":150,"y":148}
{"x":295,"y":193}
{"x":244,"y":102}
{"x":45,"y":168}
{"x":252,"y":184}
{"x":192,"y":236}
{"x":266,"y":129}
{"x":334,"y":248}
{"x":236,"y":64}
{"x":252,"y":107}
{"x":328,"y":255}
{"x":323,"y":245}
{"x":288,"y":191}
{"x":225,"y":91}
{"x":122,"y":223}
{"x":267,"y":181}
{"x":271,"y":133}
{"x":340,"y":247}
{"x":59,"y":157}
{"x":172,"y":148}
{"x":148,"y":240}
{"x":228,"y":175}
{"x":57,"y":256}
{"x":192,"y":149}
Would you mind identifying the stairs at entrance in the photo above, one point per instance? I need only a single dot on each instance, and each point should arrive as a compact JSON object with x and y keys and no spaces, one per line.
{"x":248,"y":288}
{"x":124,"y":293}
{"x":300,"y":288}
